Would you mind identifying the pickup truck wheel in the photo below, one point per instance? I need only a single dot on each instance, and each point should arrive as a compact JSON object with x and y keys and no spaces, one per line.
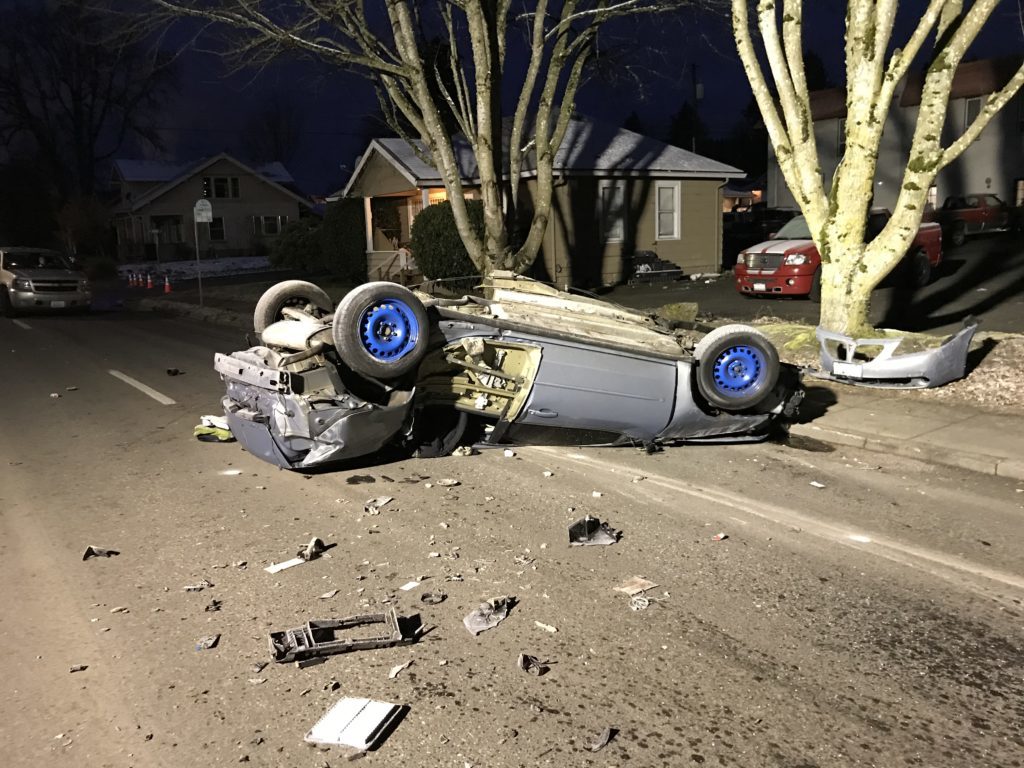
{"x":922,"y":269}
{"x":380,"y":330}
{"x":291,"y":293}
{"x":737,"y":367}
{"x":959,"y":234}
{"x":815,"y":292}
{"x":6,"y":308}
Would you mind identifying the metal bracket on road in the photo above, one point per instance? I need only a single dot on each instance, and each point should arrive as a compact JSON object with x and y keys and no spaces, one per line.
{"x":249,"y":373}
{"x":323,"y":638}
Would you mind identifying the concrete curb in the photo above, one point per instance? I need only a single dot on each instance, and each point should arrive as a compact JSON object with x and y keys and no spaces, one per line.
{"x":205,"y":314}
{"x":986,"y":464}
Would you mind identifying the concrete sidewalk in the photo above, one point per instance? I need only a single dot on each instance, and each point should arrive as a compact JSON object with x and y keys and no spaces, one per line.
{"x":955,"y":435}
{"x":877,"y":420}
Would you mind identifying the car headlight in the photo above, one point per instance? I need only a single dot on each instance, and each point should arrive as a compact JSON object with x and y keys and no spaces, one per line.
{"x":794,"y":259}
{"x":745,"y":259}
{"x":22,"y":284}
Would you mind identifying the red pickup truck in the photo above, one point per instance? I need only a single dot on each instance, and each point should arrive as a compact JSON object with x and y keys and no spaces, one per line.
{"x":972,"y":215}
{"x":789,"y":263}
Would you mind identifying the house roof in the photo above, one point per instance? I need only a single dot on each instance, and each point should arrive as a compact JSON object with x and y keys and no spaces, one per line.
{"x":588,"y":149}
{"x":170,"y":175}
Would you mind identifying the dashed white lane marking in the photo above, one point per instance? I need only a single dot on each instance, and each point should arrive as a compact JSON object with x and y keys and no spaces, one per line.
{"x":22,"y":324}
{"x":144,"y":389}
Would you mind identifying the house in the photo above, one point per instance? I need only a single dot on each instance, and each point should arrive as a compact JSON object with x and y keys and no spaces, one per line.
{"x":153,"y":216}
{"x":994,"y":163}
{"x":616,"y":193}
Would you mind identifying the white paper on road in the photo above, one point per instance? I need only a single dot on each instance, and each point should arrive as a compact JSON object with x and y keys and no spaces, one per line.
{"x":143,"y":388}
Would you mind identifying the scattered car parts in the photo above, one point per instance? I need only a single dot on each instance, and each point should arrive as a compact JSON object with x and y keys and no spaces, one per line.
{"x":91,"y":551}
{"x":359,"y":724}
{"x":325,"y":638}
{"x":488,"y":615}
{"x":589,"y":531}
{"x":875,"y":362}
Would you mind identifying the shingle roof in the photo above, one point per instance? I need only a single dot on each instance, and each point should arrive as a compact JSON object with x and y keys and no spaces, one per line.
{"x":162,"y":171}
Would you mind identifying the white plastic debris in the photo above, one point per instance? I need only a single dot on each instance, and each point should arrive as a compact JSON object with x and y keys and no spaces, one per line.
{"x":375,"y":505}
{"x":509,"y":453}
{"x":546,"y":627}
{"x":328,"y":595}
{"x":548,"y":473}
{"x":409,"y":586}
{"x":816,"y":484}
{"x":397,"y":669}
{"x":635,"y":585}
{"x":355,"y":723}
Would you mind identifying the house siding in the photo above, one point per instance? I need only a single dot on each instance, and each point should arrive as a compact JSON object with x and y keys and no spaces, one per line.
{"x":379,"y":178}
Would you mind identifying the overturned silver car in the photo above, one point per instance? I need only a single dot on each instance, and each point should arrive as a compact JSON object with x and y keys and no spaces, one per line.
{"x":391,"y":368}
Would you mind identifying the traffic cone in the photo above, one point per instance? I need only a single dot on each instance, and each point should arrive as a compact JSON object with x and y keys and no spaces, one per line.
{"x":133,"y":280}
{"x":149,"y":281}
{"x":167,"y":284}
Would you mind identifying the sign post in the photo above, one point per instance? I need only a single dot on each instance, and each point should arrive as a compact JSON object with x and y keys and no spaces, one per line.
{"x":203,"y":212}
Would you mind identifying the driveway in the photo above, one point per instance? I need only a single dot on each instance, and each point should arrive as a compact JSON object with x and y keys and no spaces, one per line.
{"x":984,"y":277}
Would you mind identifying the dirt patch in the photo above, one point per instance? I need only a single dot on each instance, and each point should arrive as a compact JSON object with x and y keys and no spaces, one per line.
{"x":994,"y":381}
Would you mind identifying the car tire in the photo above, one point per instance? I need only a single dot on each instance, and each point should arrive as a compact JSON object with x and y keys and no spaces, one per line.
{"x":290,"y":293}
{"x":959,"y":234}
{"x":921,"y":269}
{"x":737,"y":367}
{"x":815,"y":293}
{"x":6,"y":307}
{"x":380,"y":330}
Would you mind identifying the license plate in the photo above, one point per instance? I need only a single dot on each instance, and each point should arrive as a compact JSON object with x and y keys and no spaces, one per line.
{"x":58,"y":304}
{"x":760,"y":287}
{"x":851,"y":370}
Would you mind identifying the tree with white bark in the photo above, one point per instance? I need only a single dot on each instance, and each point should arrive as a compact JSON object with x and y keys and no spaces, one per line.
{"x":394,"y":42}
{"x":875,"y":67}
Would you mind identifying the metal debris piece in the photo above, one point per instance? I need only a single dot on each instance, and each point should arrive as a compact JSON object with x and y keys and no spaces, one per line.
{"x":313,"y":550}
{"x":720,"y":537}
{"x":328,"y":595}
{"x":448,"y":482}
{"x":259,"y":666}
{"x":214,"y":605}
{"x":591,"y":531}
{"x":531,"y":665}
{"x":397,"y":669}
{"x":360,"y":724}
{"x":638,"y":603}
{"x":375,"y":505}
{"x":360,"y":479}
{"x":546,"y":627}
{"x":78,"y":668}
{"x":840,"y":360}
{"x":634,"y":585}
{"x":199,"y":586}
{"x":119,"y":609}
{"x":99,"y":552}
{"x":433,"y":598}
{"x":603,"y":739}
{"x":488,"y":615}
{"x":208,"y":642}
{"x":70,"y":389}
{"x":257,"y":680}
{"x":464,"y":450}
{"x":325,"y":637}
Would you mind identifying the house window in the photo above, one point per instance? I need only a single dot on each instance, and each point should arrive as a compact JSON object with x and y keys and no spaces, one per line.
{"x":841,"y":139}
{"x":1018,"y":192}
{"x":217,"y":230}
{"x":268,"y":225}
{"x":667,"y":226}
{"x":435,"y":196}
{"x":613,"y":210}
{"x":972,"y":108}
{"x":933,"y":198}
{"x":220,"y":186}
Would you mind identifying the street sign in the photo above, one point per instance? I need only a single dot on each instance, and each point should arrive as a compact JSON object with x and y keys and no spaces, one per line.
{"x":203,"y":212}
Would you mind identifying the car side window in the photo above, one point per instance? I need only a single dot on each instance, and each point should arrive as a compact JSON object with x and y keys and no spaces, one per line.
{"x":972,"y":202}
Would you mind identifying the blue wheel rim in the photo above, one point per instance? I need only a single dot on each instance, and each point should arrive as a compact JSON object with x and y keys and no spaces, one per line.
{"x":389,"y":330}
{"x":739,"y":370}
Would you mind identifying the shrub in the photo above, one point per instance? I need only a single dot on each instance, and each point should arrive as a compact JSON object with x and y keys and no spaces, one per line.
{"x":298,"y":246}
{"x":343,"y":240}
{"x":436,"y":244}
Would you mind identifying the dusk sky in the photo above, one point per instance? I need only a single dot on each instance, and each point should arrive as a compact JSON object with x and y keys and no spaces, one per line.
{"x":214,"y":112}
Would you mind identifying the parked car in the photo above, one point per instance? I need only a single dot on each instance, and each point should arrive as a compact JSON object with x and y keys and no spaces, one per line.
{"x":963,"y":215}
{"x":741,"y":229}
{"x":788,"y":264}
{"x":519,"y":363}
{"x":38,"y":278}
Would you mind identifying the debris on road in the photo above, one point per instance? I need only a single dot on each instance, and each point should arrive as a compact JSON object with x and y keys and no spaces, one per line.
{"x":591,"y":531}
{"x":375,"y":505}
{"x":359,"y":724}
{"x":259,"y":666}
{"x":596,"y":494}
{"x":78,"y":668}
{"x":409,"y":585}
{"x":816,"y":484}
{"x":55,"y":395}
{"x":397,"y":669}
{"x":213,"y":429}
{"x":231,"y":472}
{"x":99,"y":552}
{"x":531,"y":665}
{"x":213,"y":606}
{"x":638,"y":603}
{"x":199,"y":586}
{"x":465,"y":450}
{"x":488,"y":615}
{"x":509,"y":453}
{"x":635,"y":585}
{"x":720,"y":537}
{"x":119,"y":609}
{"x":328,"y":595}
{"x":548,"y":473}
{"x":448,"y":482}
{"x":546,"y":627}
{"x":603,"y":739}
{"x":175,"y":372}
{"x":208,"y":642}
{"x":311,"y":551}
{"x":323,"y":638}
{"x":433,"y":598}
{"x":360,"y":479}
{"x":70,"y":389}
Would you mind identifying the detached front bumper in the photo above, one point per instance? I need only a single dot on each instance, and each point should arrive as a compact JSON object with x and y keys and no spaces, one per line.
{"x":784,"y":280}
{"x":50,"y":299}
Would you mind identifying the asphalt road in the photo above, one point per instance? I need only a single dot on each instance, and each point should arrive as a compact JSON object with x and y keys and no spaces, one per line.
{"x":876,"y":621}
{"x":984,"y":277}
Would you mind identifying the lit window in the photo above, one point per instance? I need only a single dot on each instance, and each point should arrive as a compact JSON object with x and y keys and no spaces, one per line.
{"x":933,"y":198}
{"x":436,"y":196}
{"x":613,"y":210}
{"x":667,"y":194}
